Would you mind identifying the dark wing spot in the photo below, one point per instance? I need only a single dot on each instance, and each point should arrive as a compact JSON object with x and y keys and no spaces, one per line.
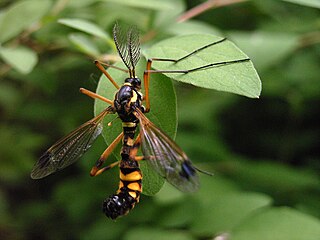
{"x":187,"y":170}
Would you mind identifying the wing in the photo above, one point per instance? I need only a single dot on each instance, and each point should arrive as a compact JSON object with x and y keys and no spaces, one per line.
{"x":166,"y":157}
{"x":70,"y":148}
{"x":128,"y":45}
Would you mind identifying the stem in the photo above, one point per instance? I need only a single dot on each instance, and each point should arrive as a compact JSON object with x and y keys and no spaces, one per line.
{"x":205,"y":7}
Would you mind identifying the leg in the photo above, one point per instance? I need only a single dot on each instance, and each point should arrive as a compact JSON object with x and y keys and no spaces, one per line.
{"x":96,"y":169}
{"x":112,"y":66}
{"x":189,"y":54}
{"x":99,"y":65}
{"x":200,"y":49}
{"x":101,"y":170}
{"x":138,"y":158}
{"x":94,"y":95}
{"x":146,"y":77}
{"x":148,"y":70}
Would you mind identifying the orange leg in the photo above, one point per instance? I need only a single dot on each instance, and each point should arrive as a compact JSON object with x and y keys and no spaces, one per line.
{"x":112,"y":66}
{"x":139,"y":158}
{"x":94,"y":95}
{"x":96,"y":170}
{"x":101,"y":170}
{"x":104,"y":71}
{"x":146,"y":77}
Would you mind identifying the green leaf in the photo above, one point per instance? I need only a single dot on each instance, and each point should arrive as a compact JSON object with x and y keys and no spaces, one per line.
{"x":169,"y":194}
{"x":265,"y":48}
{"x":20,"y":58}
{"x":85,"y":26}
{"x":20,"y":16}
{"x":240,"y":78}
{"x":221,"y":213}
{"x":176,"y":202}
{"x":148,"y":4}
{"x":278,"y":224}
{"x":176,"y":215}
{"x":162,"y":113}
{"x":308,"y":3}
{"x":84,"y":44}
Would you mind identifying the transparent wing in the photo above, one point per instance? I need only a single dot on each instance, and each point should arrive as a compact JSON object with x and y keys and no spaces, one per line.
{"x":70,"y":148}
{"x":166,"y":157}
{"x":128,"y":45}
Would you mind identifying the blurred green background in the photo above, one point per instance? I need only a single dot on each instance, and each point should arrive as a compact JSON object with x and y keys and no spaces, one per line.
{"x":264,"y":152}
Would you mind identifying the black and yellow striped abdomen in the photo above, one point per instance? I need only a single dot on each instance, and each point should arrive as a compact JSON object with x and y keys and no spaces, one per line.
{"x":128,"y":194}
{"x":130,"y":186}
{"x":131,"y":181}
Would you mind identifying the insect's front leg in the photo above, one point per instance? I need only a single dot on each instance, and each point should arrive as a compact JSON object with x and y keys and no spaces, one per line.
{"x":146,"y":78}
{"x":95,"y":96}
{"x":148,"y":71}
{"x":104,"y":71}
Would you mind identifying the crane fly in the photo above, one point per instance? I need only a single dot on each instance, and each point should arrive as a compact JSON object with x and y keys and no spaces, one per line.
{"x":158,"y":149}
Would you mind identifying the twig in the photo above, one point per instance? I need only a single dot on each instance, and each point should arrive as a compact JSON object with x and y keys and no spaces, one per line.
{"x":205,"y":7}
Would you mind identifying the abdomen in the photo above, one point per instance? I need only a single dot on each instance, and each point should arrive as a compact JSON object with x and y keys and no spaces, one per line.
{"x":128,"y":194}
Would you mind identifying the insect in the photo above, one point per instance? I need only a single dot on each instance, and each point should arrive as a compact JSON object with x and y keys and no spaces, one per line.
{"x":158,"y":149}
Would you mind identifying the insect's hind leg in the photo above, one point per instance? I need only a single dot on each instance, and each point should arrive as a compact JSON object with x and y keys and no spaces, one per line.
{"x":101,"y":170}
{"x":96,"y":170}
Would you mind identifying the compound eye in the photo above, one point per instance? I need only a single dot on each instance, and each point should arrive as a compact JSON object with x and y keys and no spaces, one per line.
{"x":137,"y":82}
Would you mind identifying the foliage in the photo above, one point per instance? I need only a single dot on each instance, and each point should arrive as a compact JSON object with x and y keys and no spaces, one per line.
{"x":264,"y":152}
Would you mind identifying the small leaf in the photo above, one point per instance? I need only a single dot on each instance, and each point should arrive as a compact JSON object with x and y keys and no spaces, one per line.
{"x":221,"y":213}
{"x":169,"y":194}
{"x":20,"y":58}
{"x":308,"y":3}
{"x":162,"y":113}
{"x":148,"y":4}
{"x":84,"y":44}
{"x":240,"y":78}
{"x":85,"y":26}
{"x":278,"y":224}
{"x":21,"y":15}
{"x":177,"y":215}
